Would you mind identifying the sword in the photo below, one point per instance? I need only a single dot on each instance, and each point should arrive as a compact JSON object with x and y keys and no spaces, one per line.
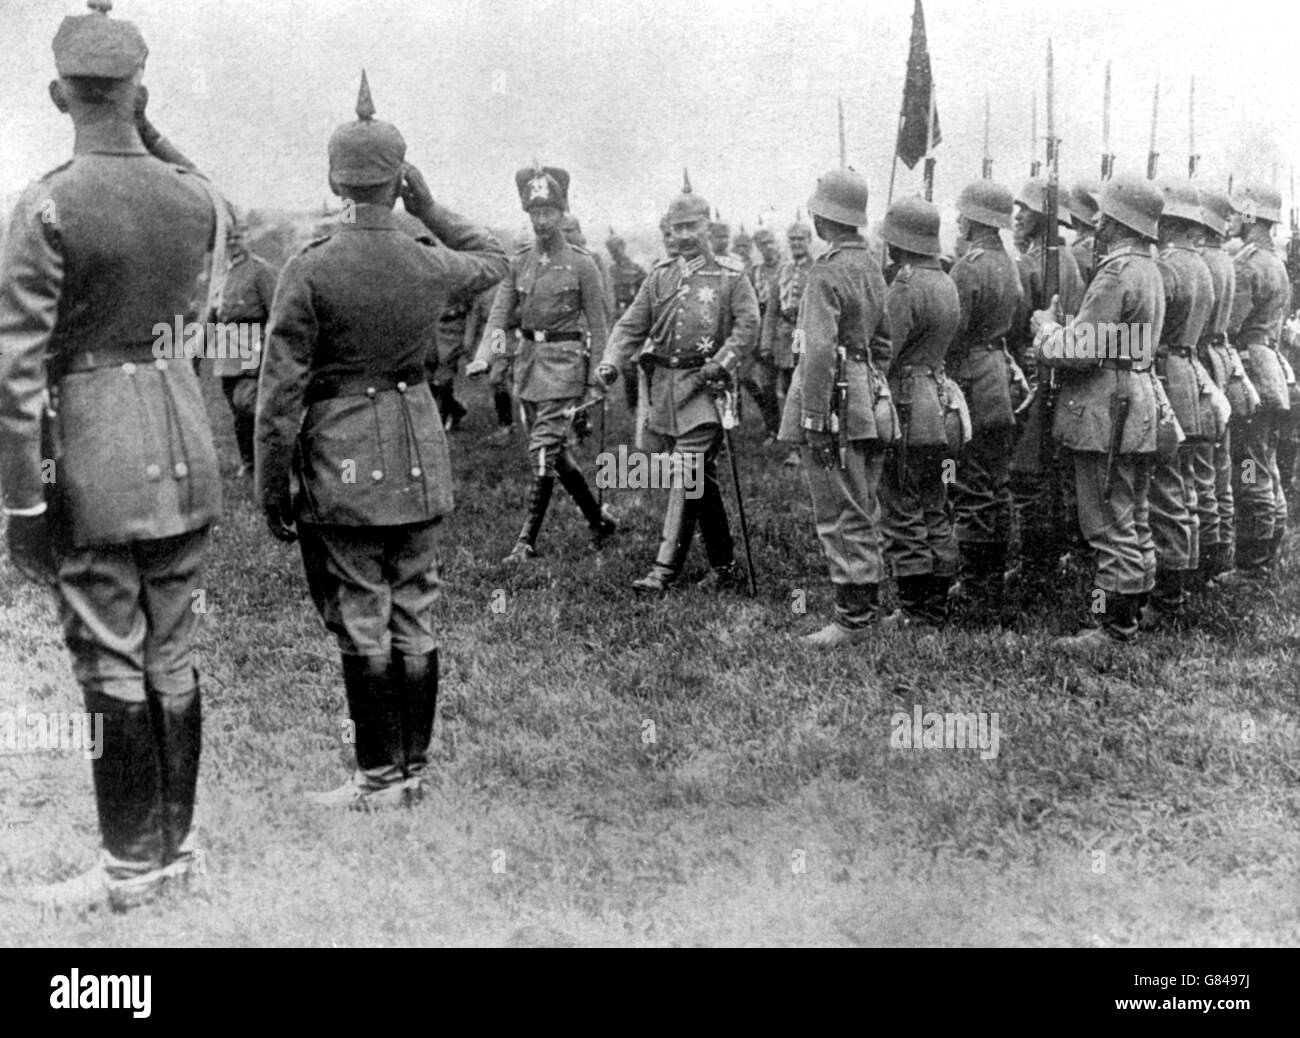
{"x":728,"y":416}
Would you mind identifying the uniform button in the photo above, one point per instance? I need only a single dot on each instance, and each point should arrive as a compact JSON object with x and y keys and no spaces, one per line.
{"x":152,"y":471}
{"x":181,"y":469}
{"x":128,"y":368}
{"x":415,"y":473}
{"x":370,"y":392}
{"x":376,"y":475}
{"x":401,"y":387}
{"x":160,"y":364}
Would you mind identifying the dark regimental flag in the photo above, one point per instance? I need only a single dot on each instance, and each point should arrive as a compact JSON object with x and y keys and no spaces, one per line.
{"x":918,"y":99}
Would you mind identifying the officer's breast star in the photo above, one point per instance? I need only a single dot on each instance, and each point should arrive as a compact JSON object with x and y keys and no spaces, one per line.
{"x":706,"y":295}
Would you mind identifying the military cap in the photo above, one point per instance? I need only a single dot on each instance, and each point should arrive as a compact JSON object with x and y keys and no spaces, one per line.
{"x":840,"y":196}
{"x":1082,"y":200}
{"x":98,"y":46}
{"x":366,"y":152}
{"x":1258,"y":201}
{"x":543,"y":186}
{"x":1182,"y":201}
{"x":1134,"y":201}
{"x":913,"y":224}
{"x":688,"y":205}
{"x":1216,"y":209}
{"x":987,"y":203}
{"x":763,"y":234}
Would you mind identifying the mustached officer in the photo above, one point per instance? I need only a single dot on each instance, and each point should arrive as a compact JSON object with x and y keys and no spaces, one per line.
{"x":347,"y":421}
{"x":555,"y":296}
{"x":107,"y":466}
{"x":701,"y":316}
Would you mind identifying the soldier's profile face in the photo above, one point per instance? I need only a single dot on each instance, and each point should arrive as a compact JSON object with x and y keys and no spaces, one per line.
{"x":545,"y":219}
{"x":767,"y":246}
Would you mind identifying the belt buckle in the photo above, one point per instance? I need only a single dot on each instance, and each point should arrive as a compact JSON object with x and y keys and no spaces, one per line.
{"x":539,"y":336}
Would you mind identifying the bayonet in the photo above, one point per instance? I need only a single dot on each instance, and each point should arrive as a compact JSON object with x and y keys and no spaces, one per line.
{"x":1035,"y":166}
{"x":1107,"y":158}
{"x":986,"y":169}
{"x":1153,"y":156}
{"x":1193,"y":159}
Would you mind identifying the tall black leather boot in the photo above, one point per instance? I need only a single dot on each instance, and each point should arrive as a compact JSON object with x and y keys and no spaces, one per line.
{"x":129,"y":785}
{"x":540,"y":500}
{"x":178,"y":722}
{"x":602,"y":525}
{"x":415,"y":676}
{"x":675,"y":545}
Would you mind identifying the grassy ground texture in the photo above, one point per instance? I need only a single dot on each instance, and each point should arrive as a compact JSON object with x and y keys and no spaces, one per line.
{"x":683,"y":772}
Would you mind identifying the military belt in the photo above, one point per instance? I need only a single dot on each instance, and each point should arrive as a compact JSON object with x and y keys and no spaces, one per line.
{"x":1177,"y":351}
{"x":108,"y":357}
{"x":1255,"y":338}
{"x":686,"y":361}
{"x":959,"y":353}
{"x":1121,"y":364}
{"x":328,"y":387}
{"x":1214,"y":339}
{"x":539,"y":336}
{"x":858,"y":353}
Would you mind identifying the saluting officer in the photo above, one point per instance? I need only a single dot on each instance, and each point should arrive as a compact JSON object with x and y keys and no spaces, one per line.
{"x":1106,"y":413}
{"x":1222,"y":361}
{"x":553,"y":293}
{"x":838,"y":412}
{"x":1261,"y":302}
{"x":350,"y":445}
{"x":989,"y":292}
{"x":625,"y":279}
{"x":245,"y":302}
{"x":924,"y":312}
{"x":1041,"y":476}
{"x":1177,"y":484}
{"x":107,"y":466}
{"x":700,"y":316}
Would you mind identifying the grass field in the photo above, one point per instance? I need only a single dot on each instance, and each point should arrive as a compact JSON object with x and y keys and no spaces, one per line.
{"x":681,"y":772}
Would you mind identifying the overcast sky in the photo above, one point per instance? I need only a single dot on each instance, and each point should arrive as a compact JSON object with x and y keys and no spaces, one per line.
{"x":626,"y":94}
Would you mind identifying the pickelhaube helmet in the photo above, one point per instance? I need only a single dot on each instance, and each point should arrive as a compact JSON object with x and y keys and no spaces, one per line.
{"x":368,"y":151}
{"x":688,"y":205}
{"x":840,"y":196}
{"x":986,"y":202}
{"x":1134,"y":201}
{"x":543,"y":186}
{"x":742,"y":239}
{"x":718,"y":225}
{"x":615,"y":240}
{"x":96,"y":46}
{"x":1082,"y":200}
{"x":1216,"y":209}
{"x":913,"y":224}
{"x":1182,"y":201}
{"x":1257,"y":201}
{"x":764,"y":235}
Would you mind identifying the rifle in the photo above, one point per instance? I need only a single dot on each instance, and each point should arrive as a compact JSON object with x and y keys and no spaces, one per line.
{"x":1051,"y":249}
{"x":1153,"y":156}
{"x":1035,"y":166}
{"x":1193,"y":159}
{"x":840,"y":405}
{"x":1107,"y":157}
{"x":986,"y":170}
{"x":1293,"y":246}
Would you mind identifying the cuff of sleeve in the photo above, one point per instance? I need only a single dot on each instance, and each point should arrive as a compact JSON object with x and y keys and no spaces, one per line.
{"x":28,"y":512}
{"x":814,"y":422}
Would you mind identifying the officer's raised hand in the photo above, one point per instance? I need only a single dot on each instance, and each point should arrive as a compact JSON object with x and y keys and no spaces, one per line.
{"x":28,"y":537}
{"x":607,"y":373}
{"x":280,"y":518}
{"x":416,"y":195}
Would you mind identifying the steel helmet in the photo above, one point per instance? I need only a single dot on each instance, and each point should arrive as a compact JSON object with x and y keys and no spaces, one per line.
{"x":1134,"y":201}
{"x":1082,"y":200}
{"x":1216,"y":209}
{"x":1182,"y":201}
{"x":1257,"y":201}
{"x":913,"y":224}
{"x":840,"y":196}
{"x":986,"y":202}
